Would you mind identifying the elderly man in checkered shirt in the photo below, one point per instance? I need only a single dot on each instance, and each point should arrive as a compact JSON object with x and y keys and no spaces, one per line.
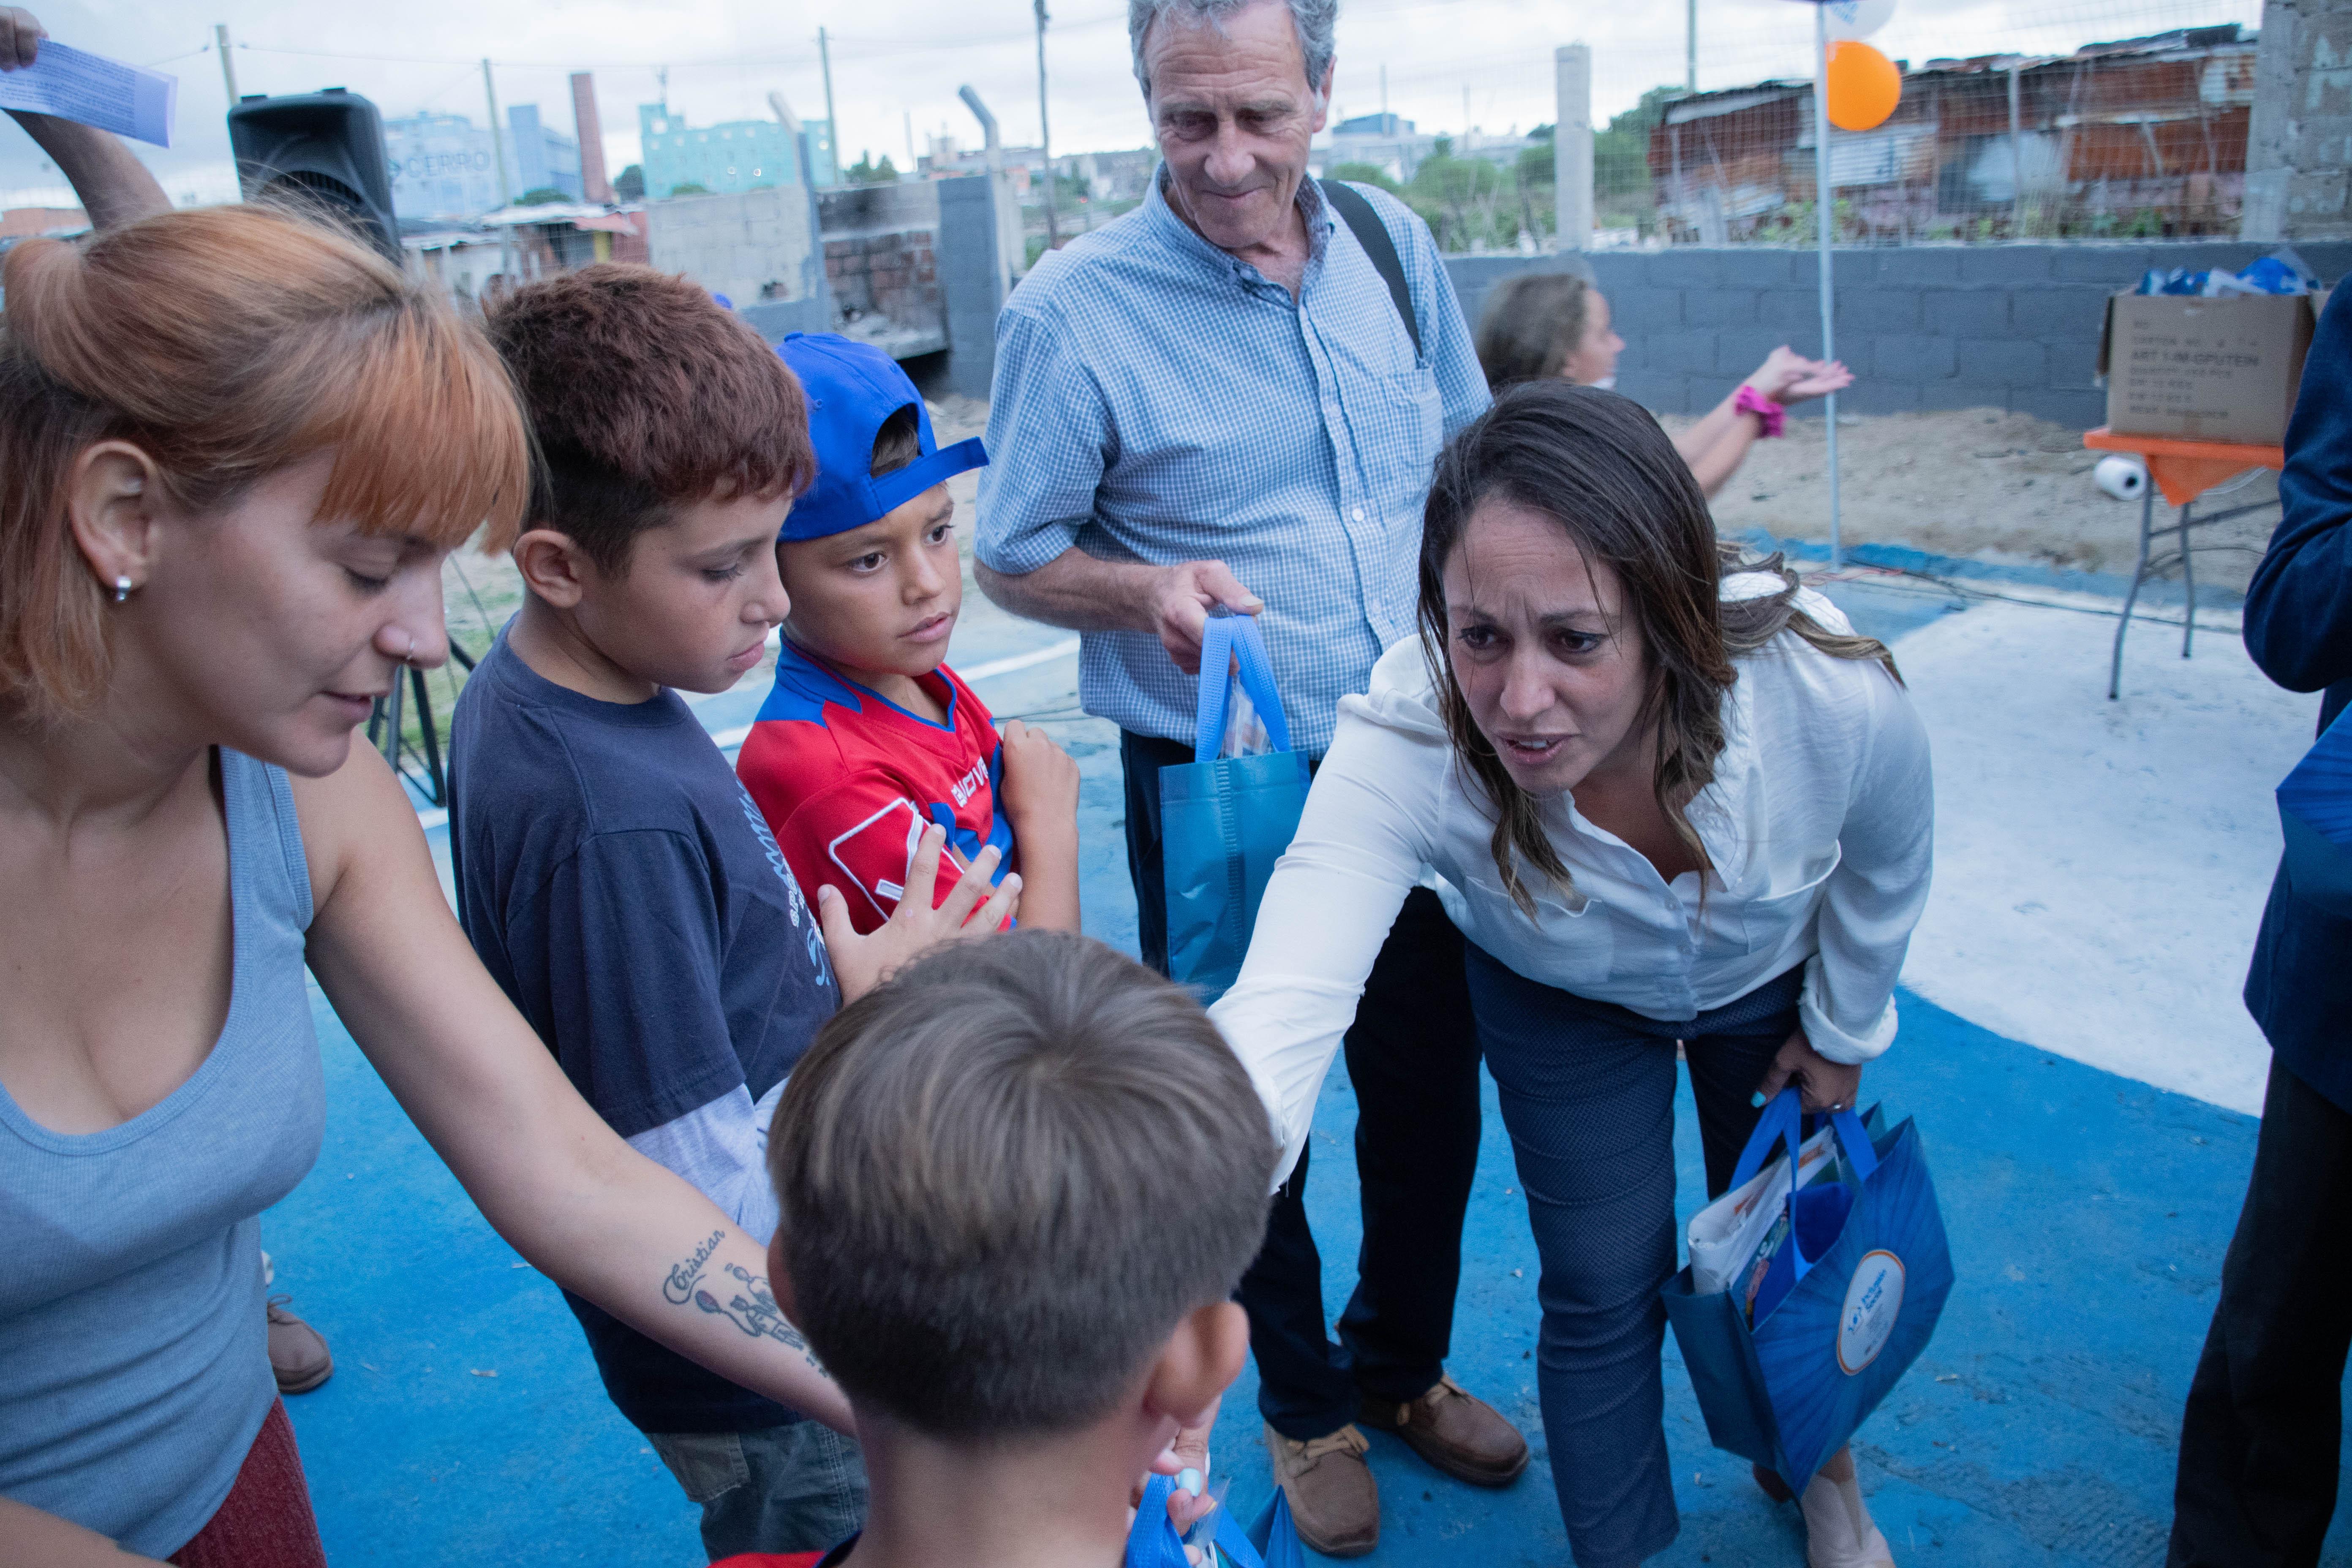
{"x":1217,"y":400}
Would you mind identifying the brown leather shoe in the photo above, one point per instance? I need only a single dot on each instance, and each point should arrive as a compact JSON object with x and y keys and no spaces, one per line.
{"x":298,"y":1354}
{"x":1455,"y":1431}
{"x":1333,"y":1499}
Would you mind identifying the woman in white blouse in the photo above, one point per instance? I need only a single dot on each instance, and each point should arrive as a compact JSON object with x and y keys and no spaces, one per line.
{"x":1664,"y":804}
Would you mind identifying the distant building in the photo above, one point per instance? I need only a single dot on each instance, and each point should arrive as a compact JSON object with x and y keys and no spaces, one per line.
{"x":1391,"y":143}
{"x":1386,"y":142}
{"x":445,"y":166}
{"x":736,"y":157}
{"x":2139,"y":138}
{"x":21,"y":223}
{"x":442,"y":166}
{"x":1115,"y":176}
{"x":540,"y":159}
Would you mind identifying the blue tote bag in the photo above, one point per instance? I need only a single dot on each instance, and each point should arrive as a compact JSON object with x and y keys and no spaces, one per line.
{"x":1849,"y":1301}
{"x":1225,"y":821}
{"x":2315,"y":813}
{"x":1271,"y":1542}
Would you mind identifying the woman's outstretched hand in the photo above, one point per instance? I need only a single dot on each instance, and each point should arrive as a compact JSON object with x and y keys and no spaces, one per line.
{"x":1787,"y":376}
{"x":1826,"y":1084}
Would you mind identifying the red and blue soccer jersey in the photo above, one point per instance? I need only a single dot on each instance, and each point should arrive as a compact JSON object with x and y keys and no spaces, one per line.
{"x":848,"y":780}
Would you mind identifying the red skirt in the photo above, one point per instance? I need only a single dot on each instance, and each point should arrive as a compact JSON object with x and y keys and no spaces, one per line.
{"x":266,"y":1520}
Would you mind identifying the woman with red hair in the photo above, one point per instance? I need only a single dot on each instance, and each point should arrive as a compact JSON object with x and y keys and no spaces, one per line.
{"x":235,"y":449}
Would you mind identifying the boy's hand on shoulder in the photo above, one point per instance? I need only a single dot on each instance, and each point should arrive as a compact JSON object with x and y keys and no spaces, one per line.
{"x":972,"y":909}
{"x":1041,"y":782}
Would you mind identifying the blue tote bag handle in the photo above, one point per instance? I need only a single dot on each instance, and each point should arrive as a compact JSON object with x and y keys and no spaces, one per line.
{"x":1226,"y":639}
{"x":1153,"y":1541}
{"x":1783,"y":1122}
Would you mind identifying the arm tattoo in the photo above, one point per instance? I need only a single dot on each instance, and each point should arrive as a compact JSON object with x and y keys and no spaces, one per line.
{"x":751,"y":1307}
{"x":748,"y":1302}
{"x":678,"y":1288}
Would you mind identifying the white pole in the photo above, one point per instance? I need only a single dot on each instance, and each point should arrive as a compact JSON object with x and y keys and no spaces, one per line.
{"x":1825,"y":219}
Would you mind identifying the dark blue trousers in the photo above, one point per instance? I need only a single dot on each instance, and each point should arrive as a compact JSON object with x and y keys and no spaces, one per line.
{"x":1587,"y":1090}
{"x":1412,"y":1059}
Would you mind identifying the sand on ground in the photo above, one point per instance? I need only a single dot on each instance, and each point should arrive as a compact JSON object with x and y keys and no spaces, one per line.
{"x":1971,"y":482}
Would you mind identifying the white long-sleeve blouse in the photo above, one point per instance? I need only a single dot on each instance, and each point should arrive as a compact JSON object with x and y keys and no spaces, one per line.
{"x":1819,"y":823}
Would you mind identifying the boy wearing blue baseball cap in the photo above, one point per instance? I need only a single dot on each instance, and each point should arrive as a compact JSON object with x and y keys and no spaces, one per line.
{"x":868,"y":737}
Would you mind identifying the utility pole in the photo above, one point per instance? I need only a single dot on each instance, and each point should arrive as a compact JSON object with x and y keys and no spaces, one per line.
{"x":505,"y":190}
{"x":1824,"y":221}
{"x":1045,"y":134}
{"x":912,"y":169}
{"x":1690,"y":50}
{"x":1386,"y":130}
{"x":2016,"y":164}
{"x":228,"y":66}
{"x":832,"y":126}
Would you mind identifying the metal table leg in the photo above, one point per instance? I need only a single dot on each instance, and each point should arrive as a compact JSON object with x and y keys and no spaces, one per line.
{"x":2140,"y":574}
{"x":2188,"y":580}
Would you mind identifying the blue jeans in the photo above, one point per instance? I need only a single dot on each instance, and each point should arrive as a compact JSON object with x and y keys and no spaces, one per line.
{"x":1412,"y":1059}
{"x":797,"y":1488}
{"x":1587,"y":1090}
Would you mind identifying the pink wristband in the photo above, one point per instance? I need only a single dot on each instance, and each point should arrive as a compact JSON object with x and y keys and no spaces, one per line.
{"x":1749,"y":401}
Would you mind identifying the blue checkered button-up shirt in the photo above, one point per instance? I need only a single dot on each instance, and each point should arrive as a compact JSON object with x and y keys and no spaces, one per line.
{"x":1158,"y":400}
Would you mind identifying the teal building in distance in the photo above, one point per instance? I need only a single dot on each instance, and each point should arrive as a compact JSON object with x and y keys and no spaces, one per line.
{"x":738,"y":155}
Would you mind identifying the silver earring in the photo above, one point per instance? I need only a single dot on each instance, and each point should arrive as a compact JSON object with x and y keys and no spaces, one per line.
{"x":121,"y":589}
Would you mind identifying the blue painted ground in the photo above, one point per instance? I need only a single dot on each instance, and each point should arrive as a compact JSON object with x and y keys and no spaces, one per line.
{"x":2088,"y":1215}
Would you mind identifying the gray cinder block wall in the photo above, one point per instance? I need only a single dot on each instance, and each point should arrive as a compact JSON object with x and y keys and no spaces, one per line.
{"x":970,"y":286}
{"x":2014,"y":327}
{"x":2299,"y":145}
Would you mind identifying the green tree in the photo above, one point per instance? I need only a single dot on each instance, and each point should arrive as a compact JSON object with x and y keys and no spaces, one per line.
{"x":690,"y":188}
{"x":540,"y":197}
{"x":1466,"y":202}
{"x":630,"y":184}
{"x":865,"y":172}
{"x":1363,"y":175}
{"x":1620,"y":158}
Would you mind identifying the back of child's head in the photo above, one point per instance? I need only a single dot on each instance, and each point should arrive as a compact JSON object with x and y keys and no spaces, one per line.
{"x":1006,"y":1175}
{"x":645,"y":394}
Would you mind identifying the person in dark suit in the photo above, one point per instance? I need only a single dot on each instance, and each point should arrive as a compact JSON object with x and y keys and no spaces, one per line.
{"x":2259,"y":1442}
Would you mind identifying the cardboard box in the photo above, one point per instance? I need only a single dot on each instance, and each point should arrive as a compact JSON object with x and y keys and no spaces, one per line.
{"x":2204,"y":370}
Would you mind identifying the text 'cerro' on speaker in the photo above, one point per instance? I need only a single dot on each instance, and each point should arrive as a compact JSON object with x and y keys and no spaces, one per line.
{"x":320,"y":151}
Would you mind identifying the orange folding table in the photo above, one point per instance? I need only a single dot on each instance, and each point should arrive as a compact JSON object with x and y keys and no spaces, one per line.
{"x":2184,"y":470}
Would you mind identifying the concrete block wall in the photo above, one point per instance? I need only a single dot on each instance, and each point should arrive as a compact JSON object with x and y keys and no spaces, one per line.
{"x":971,"y":274}
{"x":737,"y":244}
{"x":2014,"y":327}
{"x":893,"y":275}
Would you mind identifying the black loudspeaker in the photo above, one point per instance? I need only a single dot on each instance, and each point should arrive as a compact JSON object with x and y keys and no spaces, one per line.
{"x":323,"y":150}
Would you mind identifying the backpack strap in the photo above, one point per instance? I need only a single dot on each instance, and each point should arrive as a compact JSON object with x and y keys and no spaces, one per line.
{"x":1373,"y":236}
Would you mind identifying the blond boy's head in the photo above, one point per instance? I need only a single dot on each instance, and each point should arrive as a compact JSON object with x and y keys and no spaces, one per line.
{"x":1006,"y":1178}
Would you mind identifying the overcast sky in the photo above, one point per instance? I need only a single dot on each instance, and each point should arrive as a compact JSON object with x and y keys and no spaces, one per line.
{"x":1448,"y":63}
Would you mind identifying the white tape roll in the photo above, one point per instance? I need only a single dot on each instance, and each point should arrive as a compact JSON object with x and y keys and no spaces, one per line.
{"x":2122,"y":478}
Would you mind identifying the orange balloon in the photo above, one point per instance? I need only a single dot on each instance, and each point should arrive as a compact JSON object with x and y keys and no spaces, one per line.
{"x":1865,"y":86}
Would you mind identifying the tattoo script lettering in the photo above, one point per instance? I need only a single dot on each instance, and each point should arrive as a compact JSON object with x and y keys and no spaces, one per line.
{"x":678,"y":1288}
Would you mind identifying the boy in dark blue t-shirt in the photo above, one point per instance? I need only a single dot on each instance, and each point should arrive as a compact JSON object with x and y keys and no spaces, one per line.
{"x":614,"y":877}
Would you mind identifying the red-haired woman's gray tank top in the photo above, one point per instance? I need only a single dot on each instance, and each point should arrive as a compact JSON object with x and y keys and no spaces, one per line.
{"x":134,"y":1364}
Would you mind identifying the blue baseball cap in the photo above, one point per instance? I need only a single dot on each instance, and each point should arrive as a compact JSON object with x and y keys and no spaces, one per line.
{"x":851,"y":388}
